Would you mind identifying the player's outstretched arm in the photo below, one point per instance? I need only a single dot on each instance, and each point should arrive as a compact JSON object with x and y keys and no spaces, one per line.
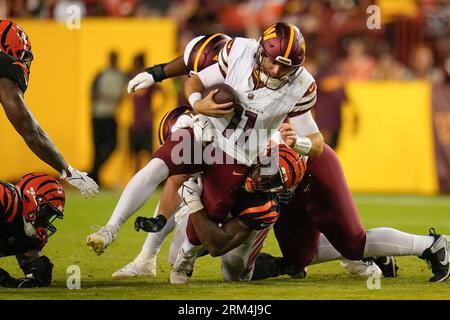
{"x":26,"y":125}
{"x":37,"y":139}
{"x":157,"y":73}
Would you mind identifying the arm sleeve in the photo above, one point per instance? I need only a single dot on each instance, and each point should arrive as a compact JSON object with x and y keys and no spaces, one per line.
{"x":304,"y":124}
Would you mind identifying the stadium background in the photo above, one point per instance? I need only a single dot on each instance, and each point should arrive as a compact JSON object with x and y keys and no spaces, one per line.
{"x":391,"y":149}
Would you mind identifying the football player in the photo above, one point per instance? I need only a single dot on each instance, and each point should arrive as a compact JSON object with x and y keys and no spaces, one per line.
{"x":327,"y":207}
{"x":271,"y":82}
{"x":27,"y":213}
{"x":15,"y":63}
{"x":240,"y":238}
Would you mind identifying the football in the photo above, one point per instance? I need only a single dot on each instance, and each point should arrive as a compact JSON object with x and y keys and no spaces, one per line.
{"x":224,"y":95}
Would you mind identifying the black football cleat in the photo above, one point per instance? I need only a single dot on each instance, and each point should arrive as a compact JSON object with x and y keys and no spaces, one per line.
{"x":388,"y":265}
{"x":437,"y":257}
{"x":268,"y":266}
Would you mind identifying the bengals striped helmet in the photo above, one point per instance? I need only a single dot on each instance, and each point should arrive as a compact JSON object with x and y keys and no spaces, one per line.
{"x":280,"y":170}
{"x":283,"y":43}
{"x":203,"y":51}
{"x":15,"y":42}
{"x":43,"y":200}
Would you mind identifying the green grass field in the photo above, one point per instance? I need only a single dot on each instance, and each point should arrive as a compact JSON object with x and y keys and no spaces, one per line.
{"x":327,"y":281}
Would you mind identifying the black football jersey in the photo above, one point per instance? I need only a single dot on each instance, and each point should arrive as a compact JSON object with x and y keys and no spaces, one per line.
{"x":257,"y":210}
{"x":13,"y":239}
{"x":14,"y":70}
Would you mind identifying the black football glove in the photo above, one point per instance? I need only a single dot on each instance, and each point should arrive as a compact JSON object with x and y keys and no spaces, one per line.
{"x":41,"y":268}
{"x":7,"y":281}
{"x":150,"y":224}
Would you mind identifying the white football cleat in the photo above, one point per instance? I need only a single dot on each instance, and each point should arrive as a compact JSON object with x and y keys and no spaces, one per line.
{"x":137,"y":269}
{"x":361,"y":268}
{"x":101,"y":239}
{"x":183,"y":268}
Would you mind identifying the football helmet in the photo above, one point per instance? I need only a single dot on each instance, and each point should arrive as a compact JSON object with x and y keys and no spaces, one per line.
{"x":284,"y":44}
{"x":43,"y":200}
{"x":15,"y":42}
{"x":169,"y":120}
{"x":280,"y":170}
{"x":203,"y":51}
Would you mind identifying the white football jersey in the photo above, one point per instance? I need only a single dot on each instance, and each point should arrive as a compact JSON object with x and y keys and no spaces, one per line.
{"x":263,"y":109}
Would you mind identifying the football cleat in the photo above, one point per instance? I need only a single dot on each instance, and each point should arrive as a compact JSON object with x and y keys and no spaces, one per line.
{"x":437,"y":257}
{"x":388,"y":265}
{"x":183,"y":268}
{"x":137,"y":269}
{"x":361,"y":268}
{"x":268,"y":266}
{"x":100,"y":240}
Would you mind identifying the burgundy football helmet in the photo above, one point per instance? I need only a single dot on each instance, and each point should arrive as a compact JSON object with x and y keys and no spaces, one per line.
{"x":284,"y":44}
{"x":15,"y":42}
{"x":203,"y":51}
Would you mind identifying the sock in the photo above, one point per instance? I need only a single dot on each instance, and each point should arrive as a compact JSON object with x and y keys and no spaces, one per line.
{"x":392,"y":242}
{"x":139,"y":190}
{"x":325,"y":251}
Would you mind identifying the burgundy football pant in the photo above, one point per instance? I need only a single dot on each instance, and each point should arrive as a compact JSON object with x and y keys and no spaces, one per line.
{"x":326,"y":207}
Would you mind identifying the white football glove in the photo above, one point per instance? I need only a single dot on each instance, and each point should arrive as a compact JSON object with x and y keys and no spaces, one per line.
{"x":81,"y":181}
{"x":191,"y":192}
{"x":183,"y":121}
{"x":204,"y":130}
{"x":140,"y":81}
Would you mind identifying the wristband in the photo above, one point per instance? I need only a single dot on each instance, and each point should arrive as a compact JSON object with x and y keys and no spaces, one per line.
{"x":157,"y":72}
{"x":303,"y":145}
{"x":195,"y":96}
{"x":194,"y":204}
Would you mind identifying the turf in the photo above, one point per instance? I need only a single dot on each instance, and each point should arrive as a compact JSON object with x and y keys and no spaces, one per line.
{"x":326,"y":281}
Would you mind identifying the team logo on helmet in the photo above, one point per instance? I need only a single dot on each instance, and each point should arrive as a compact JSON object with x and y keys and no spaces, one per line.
{"x":43,"y":200}
{"x":15,"y":42}
{"x":283,"y":43}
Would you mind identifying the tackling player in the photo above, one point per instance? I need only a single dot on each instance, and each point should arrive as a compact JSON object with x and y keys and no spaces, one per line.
{"x":276,"y":85}
{"x":327,"y":207}
{"x":15,"y":62}
{"x":240,"y":238}
{"x":27,"y":212}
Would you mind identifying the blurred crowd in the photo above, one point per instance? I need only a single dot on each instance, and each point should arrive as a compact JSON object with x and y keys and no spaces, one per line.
{"x":413,"y":42}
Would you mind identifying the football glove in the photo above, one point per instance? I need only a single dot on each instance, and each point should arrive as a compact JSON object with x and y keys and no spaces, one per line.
{"x":141,"y":81}
{"x":204,"y":131}
{"x":81,"y":181}
{"x":150,"y":224}
{"x":9,"y":282}
{"x":183,"y":121}
{"x":40,"y":268}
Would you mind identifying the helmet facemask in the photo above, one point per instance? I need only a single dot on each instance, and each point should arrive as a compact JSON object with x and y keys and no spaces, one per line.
{"x":39,"y":222}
